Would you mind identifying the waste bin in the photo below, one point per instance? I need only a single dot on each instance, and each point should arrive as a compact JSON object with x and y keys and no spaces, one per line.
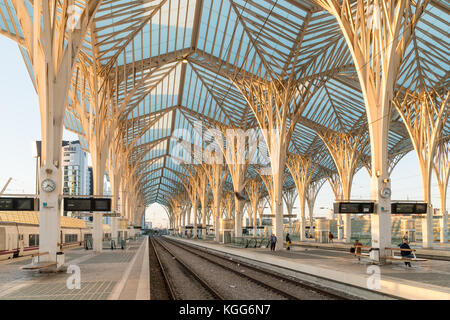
{"x":375,"y":254}
{"x":59,"y":259}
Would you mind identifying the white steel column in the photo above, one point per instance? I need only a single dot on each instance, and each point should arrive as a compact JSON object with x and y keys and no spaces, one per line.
{"x":302,"y":200}
{"x":98,"y":172}
{"x":289,"y":198}
{"x":194,"y":216}
{"x":311,"y":195}
{"x":301,"y":168}
{"x":424,"y":115}
{"x":345,"y":149}
{"x":441,"y":168}
{"x":253,"y":188}
{"x":114,"y":223}
{"x":53,"y":52}
{"x":377,"y":49}
{"x":239,"y":206}
{"x":277,"y":204}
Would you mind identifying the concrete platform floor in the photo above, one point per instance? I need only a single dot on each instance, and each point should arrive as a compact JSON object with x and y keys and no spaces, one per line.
{"x":109,"y":275}
{"x":426,"y":280}
{"x":439,"y":250}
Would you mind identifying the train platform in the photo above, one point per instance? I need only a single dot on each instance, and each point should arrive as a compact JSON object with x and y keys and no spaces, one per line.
{"x":342,"y":271}
{"x":439,"y":251}
{"x":109,"y":275}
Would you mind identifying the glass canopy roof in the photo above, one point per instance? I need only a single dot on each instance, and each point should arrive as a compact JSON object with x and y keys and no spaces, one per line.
{"x":168,"y":65}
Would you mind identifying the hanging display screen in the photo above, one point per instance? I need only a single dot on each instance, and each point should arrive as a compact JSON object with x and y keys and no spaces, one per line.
{"x":18,"y":204}
{"x":6,"y":204}
{"x":26,"y":204}
{"x":403,"y":208}
{"x":77,"y":204}
{"x":354,"y":207}
{"x":87,"y":204}
{"x":409,"y":208}
{"x":101,"y":204}
{"x":421,"y":207}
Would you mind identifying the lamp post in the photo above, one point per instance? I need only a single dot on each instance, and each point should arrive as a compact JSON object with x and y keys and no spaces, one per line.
{"x":36,"y":152}
{"x":290,"y":221}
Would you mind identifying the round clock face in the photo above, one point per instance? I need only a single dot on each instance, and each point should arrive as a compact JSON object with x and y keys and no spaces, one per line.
{"x":48,"y":185}
{"x":386,"y":192}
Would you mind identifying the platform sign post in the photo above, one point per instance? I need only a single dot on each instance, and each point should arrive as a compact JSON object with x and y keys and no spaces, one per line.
{"x":409,"y":208}
{"x":19,"y":204}
{"x":354,"y":207}
{"x":87,"y":204}
{"x":96,"y":205}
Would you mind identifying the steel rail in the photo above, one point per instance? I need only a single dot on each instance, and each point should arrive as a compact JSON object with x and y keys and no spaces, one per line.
{"x":242,"y":275}
{"x":169,"y":285}
{"x":265,"y":271}
{"x":204,"y":284}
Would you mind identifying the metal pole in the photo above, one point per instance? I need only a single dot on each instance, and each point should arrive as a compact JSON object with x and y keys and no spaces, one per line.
{"x":6,"y":186}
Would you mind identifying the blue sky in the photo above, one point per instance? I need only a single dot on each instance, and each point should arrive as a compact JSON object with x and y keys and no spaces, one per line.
{"x":20,"y":126}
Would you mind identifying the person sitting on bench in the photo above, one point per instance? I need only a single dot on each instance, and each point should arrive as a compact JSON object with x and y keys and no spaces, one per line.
{"x":406,"y":252}
{"x":357,"y":246}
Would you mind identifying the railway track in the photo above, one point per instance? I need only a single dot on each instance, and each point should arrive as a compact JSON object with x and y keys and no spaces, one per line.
{"x":161,"y":288}
{"x":211,"y":293}
{"x":282,"y":286}
{"x":281,"y":277}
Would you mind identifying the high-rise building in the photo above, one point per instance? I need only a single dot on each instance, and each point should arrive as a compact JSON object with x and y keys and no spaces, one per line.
{"x":76,"y":179}
{"x":106,"y":192}
{"x":91,"y":181}
{"x":75,"y":172}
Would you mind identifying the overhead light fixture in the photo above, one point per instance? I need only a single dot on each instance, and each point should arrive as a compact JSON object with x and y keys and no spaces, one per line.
{"x":185,"y":60}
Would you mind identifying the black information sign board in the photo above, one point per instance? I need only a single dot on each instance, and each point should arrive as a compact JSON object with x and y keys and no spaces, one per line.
{"x":87,"y":204}
{"x":354,"y":207}
{"x":409,"y":208}
{"x":18,"y":204}
{"x":102,"y":205}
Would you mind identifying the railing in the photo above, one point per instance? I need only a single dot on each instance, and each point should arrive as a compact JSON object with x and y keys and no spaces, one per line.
{"x":115,"y":243}
{"x":250,"y":242}
{"x":238,"y":241}
{"x":264,"y":243}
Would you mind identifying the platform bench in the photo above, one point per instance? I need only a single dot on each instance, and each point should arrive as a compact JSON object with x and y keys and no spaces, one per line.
{"x":400,"y":258}
{"x":37,"y":265}
{"x":361,"y":254}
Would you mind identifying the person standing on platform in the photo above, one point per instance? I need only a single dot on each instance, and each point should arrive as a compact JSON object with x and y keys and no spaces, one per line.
{"x":288,"y":242}
{"x":273,"y":242}
{"x":330,"y":237}
{"x":405,"y":236}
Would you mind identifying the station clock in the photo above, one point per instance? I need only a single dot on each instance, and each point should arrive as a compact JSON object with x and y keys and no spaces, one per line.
{"x":385,"y":192}
{"x":48,"y":185}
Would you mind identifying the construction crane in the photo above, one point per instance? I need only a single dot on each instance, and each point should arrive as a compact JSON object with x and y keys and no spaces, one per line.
{"x":6,"y":186}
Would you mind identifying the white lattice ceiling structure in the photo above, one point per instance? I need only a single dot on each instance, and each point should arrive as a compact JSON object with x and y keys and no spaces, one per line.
{"x":149,"y":69}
